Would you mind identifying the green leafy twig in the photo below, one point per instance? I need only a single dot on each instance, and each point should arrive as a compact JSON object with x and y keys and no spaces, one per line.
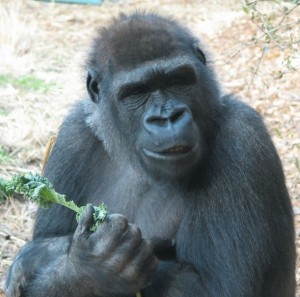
{"x":39,"y":190}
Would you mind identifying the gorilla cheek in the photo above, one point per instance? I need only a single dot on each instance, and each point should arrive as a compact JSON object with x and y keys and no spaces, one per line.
{"x":104,"y":122}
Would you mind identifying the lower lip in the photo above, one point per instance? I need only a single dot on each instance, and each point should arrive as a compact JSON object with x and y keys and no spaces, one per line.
{"x":169,"y":156}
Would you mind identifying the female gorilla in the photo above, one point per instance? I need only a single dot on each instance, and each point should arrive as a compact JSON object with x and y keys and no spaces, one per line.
{"x":193,"y":171}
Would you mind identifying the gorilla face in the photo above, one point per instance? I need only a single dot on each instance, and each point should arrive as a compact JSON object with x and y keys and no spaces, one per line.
{"x":158,"y":99}
{"x":154,"y":101}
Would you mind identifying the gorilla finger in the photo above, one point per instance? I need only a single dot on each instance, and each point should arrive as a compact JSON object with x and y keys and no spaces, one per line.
{"x":143,"y":273}
{"x":129,"y":243}
{"x":133,"y":235}
{"x":141,"y":255}
{"x":111,"y":230}
{"x":145,"y":249}
{"x":148,"y":270}
{"x":127,"y":249}
{"x":117,"y":225}
{"x":152,"y":263}
{"x":86,"y":221}
{"x":129,"y":246}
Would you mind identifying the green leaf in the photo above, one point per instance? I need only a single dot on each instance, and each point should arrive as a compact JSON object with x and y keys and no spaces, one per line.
{"x":39,"y":190}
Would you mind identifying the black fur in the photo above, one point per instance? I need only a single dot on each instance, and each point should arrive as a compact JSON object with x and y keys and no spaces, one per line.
{"x":194,"y":173}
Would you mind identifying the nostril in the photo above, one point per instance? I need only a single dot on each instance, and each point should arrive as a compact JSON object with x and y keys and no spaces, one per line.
{"x":157,"y":120}
{"x":176,"y":116}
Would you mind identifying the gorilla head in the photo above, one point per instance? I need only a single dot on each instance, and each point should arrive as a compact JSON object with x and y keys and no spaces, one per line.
{"x":155,"y":99}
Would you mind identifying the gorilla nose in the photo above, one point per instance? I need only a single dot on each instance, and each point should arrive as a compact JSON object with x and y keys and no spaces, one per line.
{"x":172,"y":118}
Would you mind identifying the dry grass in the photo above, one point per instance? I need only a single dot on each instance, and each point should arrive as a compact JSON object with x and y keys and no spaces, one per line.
{"x":42,"y":48}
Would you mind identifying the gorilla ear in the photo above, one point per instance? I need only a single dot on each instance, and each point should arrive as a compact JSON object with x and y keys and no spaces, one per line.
{"x":92,"y":88}
{"x":199,"y":54}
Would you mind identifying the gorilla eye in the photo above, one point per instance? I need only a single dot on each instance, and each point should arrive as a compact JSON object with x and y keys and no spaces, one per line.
{"x":181,"y":80}
{"x":176,"y":81}
{"x":137,"y":90}
{"x":181,"y":77}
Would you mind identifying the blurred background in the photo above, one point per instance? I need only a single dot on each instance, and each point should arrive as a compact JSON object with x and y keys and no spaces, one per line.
{"x":254,"y":46}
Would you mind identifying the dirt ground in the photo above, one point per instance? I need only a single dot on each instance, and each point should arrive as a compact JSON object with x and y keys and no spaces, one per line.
{"x":42,"y":51}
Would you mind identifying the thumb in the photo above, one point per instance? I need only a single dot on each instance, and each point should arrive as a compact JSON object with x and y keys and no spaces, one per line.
{"x":86,"y":221}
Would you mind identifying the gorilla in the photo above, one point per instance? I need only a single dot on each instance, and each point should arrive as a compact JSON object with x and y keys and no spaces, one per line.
{"x":195,"y":189}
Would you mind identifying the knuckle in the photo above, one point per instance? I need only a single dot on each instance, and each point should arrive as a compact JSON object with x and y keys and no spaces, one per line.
{"x":149,"y":246}
{"x":118,"y":218}
{"x":88,"y":212}
{"x":146,"y":248}
{"x":116,"y":264}
{"x":79,"y":232}
{"x":115,"y":217}
{"x":153,"y":264}
{"x":118,"y":221}
{"x":130,"y":273}
{"x":135,"y":232}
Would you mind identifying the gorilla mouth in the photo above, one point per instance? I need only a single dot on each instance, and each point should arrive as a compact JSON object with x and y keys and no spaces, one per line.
{"x":172,"y":153}
{"x":176,"y":150}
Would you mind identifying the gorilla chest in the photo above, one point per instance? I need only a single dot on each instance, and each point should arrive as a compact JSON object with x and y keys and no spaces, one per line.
{"x":159,"y":217}
{"x":156,"y":210}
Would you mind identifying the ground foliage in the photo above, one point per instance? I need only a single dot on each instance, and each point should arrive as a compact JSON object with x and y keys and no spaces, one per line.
{"x":42,"y":49}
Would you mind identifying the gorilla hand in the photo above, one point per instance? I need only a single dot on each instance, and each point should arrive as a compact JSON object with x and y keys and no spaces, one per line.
{"x":115,"y":257}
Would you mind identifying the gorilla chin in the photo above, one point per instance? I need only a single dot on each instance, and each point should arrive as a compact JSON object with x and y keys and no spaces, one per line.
{"x":173,"y":162}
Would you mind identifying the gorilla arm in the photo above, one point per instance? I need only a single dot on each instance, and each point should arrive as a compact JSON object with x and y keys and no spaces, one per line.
{"x":113,"y":261}
{"x":35,"y":257}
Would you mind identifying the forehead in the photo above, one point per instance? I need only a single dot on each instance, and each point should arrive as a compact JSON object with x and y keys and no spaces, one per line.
{"x":149,"y":69}
{"x":141,"y":47}
{"x":138,"y":40}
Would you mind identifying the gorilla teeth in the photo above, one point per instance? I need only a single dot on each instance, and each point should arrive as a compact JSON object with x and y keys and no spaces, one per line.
{"x":177,"y":150}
